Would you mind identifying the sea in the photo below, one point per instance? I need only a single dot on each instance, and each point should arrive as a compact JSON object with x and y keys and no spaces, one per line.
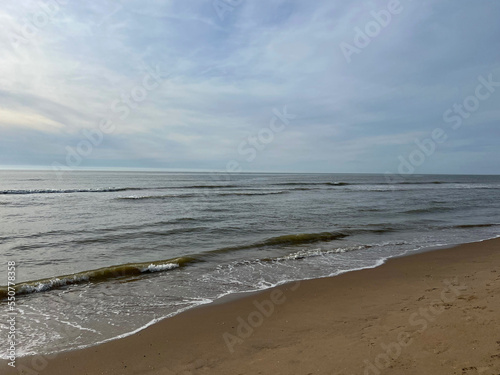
{"x":100,"y":255}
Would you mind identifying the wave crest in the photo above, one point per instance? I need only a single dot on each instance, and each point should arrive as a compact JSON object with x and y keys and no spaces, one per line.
{"x":98,"y":275}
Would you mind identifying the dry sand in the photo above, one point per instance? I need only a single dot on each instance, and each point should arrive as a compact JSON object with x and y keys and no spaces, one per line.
{"x":431,"y":313}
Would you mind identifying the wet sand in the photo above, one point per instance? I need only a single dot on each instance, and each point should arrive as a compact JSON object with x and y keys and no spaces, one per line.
{"x":436,"y":312}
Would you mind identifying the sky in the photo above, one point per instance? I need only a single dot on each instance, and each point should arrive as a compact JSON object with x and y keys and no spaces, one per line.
{"x":251,"y":85}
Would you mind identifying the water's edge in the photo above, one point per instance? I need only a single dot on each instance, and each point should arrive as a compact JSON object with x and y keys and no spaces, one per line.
{"x":231,"y":296}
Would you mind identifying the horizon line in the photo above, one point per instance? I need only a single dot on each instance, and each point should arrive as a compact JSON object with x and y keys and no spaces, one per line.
{"x":34,"y":168}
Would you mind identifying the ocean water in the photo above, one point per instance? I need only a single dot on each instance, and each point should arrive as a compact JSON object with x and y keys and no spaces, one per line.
{"x":102,"y":254}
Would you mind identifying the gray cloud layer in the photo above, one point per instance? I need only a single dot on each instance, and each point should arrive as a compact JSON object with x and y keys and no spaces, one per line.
{"x":185,"y":88}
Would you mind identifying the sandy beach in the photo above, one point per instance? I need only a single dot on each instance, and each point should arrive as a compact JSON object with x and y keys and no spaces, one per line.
{"x":435,"y":312}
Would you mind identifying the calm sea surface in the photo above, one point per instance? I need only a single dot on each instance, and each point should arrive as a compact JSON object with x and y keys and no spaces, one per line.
{"x":102,"y":254}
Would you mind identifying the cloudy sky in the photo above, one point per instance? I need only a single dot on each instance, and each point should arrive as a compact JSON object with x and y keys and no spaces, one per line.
{"x":203,"y":84}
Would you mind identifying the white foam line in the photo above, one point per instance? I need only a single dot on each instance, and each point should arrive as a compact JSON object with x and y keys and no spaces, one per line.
{"x":79,"y":327}
{"x":159,"y":267}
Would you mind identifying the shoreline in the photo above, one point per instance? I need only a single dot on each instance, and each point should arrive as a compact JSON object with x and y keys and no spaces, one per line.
{"x":261,"y":308}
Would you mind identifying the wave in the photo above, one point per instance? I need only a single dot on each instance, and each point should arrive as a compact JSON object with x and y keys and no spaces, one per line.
{"x":154,"y":197}
{"x":381,"y":230}
{"x":173,"y":196}
{"x":206,"y":187}
{"x":252,"y":194}
{"x":297,"y":239}
{"x":97,"y":275}
{"x":303,"y":189}
{"x":286,"y":240}
{"x":391,"y":186}
{"x":470,"y":226}
{"x":315,"y":183}
{"x":421,"y":183}
{"x":113,"y":190}
{"x":370,"y":209}
{"x":364,"y":183}
{"x":428,"y":210}
{"x":64,"y":191}
{"x":109,"y":190}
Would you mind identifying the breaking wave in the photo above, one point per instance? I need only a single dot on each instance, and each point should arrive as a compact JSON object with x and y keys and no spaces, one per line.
{"x":98,"y":275}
